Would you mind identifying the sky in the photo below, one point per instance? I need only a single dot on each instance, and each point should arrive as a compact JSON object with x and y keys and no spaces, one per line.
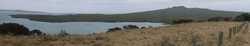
{"x":119,"y":6}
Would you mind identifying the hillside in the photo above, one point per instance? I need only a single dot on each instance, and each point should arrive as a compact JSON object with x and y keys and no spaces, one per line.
{"x":200,"y":34}
{"x":182,"y":11}
{"x":162,"y":15}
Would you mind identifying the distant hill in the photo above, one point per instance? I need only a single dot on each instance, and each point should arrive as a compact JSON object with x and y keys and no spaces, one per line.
{"x":23,"y":12}
{"x":181,"y":11}
{"x":161,"y":15}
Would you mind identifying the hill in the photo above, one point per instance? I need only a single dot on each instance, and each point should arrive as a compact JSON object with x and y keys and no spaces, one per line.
{"x":162,"y":15}
{"x":21,"y":12}
{"x":182,"y":11}
{"x":188,"y":34}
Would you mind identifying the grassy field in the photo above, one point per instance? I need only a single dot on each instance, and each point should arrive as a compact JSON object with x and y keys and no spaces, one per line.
{"x":188,"y":34}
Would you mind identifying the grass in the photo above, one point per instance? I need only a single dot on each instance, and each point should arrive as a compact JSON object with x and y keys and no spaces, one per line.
{"x":199,"y":33}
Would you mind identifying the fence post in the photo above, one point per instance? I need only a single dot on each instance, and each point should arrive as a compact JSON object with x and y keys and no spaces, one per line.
{"x":234,"y":30}
{"x":194,"y":40}
{"x":220,"y":39}
{"x":230,"y":33}
{"x":245,"y":28}
{"x":238,"y":29}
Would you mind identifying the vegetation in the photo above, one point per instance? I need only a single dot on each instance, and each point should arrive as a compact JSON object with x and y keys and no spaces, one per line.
{"x":243,"y":17}
{"x":130,"y":27}
{"x":96,"y":18}
{"x":126,"y":27}
{"x":220,"y":19}
{"x":17,"y":29}
{"x":13,"y":28}
{"x":189,"y":34}
{"x":183,"y":21}
{"x":37,"y":32}
{"x":114,"y":29}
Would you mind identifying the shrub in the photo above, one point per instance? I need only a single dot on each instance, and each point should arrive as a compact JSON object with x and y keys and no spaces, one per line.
{"x":130,"y":27}
{"x":13,"y":29}
{"x":17,"y":29}
{"x":143,"y":27}
{"x":182,"y":21}
{"x":114,"y":29}
{"x":126,"y":27}
{"x":37,"y":32}
{"x":220,"y":19}
{"x":243,"y":17}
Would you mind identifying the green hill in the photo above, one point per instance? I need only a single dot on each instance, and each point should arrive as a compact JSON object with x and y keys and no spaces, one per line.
{"x":182,"y":11}
{"x":161,"y":15}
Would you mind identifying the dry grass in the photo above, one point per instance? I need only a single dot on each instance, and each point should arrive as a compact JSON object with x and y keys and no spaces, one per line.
{"x":202,"y":34}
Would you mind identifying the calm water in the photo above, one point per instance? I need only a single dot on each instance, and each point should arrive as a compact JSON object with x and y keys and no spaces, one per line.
{"x":71,"y":27}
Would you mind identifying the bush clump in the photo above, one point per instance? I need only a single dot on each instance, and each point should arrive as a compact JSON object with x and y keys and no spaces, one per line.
{"x":126,"y":27}
{"x":17,"y":29}
{"x":220,"y":19}
{"x":130,"y":27}
{"x":182,"y":21}
{"x":243,"y":17}
{"x":114,"y":29}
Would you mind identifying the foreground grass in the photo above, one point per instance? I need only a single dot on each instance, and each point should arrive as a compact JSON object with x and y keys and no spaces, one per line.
{"x":203,"y":34}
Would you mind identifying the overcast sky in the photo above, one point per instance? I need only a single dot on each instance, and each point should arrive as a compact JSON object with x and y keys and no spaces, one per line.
{"x":119,"y":6}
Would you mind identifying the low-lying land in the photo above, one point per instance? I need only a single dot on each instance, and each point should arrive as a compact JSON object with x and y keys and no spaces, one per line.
{"x":96,"y":18}
{"x":188,"y":34}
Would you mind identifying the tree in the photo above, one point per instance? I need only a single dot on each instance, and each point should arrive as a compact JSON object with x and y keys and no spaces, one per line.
{"x":243,"y":17}
{"x":13,"y":29}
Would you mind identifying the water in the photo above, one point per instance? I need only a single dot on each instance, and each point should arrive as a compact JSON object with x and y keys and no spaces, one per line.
{"x":71,"y":27}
